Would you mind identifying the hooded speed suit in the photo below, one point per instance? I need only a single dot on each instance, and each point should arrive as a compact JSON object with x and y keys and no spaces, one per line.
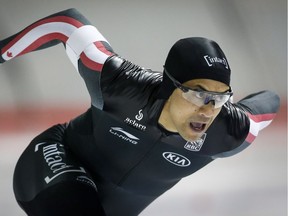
{"x":116,"y":154}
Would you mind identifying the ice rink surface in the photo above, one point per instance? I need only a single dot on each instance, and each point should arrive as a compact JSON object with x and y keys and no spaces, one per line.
{"x":252,"y":183}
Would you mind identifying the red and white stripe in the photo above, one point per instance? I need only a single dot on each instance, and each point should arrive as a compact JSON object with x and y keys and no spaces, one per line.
{"x":257,"y":123}
{"x":83,"y":41}
{"x":95,"y":56}
{"x":86,"y":43}
{"x":60,"y":27}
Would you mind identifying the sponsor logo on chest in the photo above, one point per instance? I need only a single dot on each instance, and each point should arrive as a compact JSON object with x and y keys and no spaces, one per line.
{"x":196,"y":145}
{"x":135,"y":122}
{"x":124,"y":135}
{"x":176,"y":159}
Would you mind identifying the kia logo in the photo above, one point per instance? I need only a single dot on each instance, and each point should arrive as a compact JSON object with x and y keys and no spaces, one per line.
{"x":176,"y":159}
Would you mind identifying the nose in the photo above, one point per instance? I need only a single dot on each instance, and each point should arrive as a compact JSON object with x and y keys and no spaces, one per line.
{"x":208,"y":109}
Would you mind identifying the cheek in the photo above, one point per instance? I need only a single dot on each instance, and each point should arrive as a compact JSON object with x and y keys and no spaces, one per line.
{"x":181,"y":109}
{"x":216,"y":113}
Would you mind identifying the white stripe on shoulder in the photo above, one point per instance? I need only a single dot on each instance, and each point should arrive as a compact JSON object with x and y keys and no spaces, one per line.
{"x":79,"y":40}
{"x":83,"y":37}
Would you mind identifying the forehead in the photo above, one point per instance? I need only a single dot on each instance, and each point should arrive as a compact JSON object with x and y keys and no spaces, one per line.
{"x":207,"y":84}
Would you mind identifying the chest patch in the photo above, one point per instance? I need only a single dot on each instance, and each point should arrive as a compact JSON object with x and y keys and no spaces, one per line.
{"x":176,"y":159}
{"x":196,"y":145}
{"x":135,"y":122}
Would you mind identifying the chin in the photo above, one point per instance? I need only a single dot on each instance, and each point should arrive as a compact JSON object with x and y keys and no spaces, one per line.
{"x":192,"y":136}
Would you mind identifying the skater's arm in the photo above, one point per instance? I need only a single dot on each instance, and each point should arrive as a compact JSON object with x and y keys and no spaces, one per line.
{"x":68,"y":27}
{"x":246,"y":118}
{"x":261,"y":109}
{"x":85,"y":46}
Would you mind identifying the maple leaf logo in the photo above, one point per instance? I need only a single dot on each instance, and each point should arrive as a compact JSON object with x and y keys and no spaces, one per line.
{"x":9,"y":54}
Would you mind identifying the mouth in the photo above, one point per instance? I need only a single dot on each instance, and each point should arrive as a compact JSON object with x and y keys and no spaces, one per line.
{"x":197,"y":126}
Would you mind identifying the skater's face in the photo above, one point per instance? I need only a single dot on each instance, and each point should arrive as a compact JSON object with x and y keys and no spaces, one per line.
{"x":190,"y":112}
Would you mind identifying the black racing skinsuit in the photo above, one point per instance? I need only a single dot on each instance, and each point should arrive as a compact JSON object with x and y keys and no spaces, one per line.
{"x":118,"y":144}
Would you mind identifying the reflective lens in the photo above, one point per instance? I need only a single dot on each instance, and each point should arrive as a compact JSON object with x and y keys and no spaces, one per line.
{"x":200,"y":98}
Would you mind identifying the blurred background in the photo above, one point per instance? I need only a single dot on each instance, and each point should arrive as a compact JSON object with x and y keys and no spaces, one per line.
{"x":43,"y":88}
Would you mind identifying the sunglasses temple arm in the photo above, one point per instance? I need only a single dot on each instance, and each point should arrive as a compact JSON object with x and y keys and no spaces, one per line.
{"x":176,"y":83}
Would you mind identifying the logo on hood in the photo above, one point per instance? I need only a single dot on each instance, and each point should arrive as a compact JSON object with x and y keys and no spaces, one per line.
{"x":212,"y":60}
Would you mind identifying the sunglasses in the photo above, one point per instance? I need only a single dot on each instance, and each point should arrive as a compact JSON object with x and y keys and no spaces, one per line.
{"x":201,"y":97}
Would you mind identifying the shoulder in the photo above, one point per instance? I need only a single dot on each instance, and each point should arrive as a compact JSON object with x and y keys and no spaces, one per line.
{"x":121,"y":75}
{"x":127,"y":87}
{"x":117,"y":67}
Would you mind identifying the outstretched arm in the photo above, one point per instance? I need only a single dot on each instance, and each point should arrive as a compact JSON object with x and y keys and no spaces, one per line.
{"x":246,"y":118}
{"x":85,"y":46}
{"x":261,"y":109}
